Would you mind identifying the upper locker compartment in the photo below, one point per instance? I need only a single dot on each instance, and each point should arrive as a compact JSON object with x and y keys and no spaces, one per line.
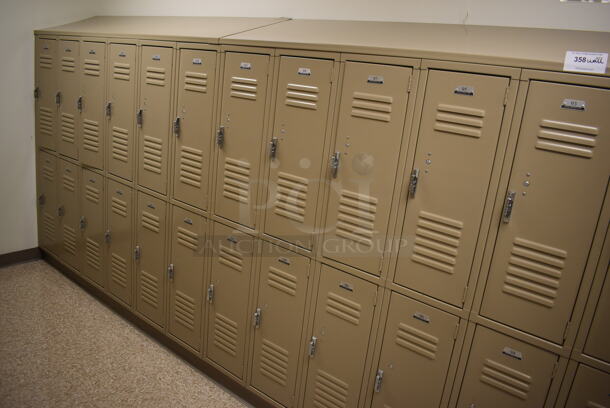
{"x":556,"y":190}
{"x":296,"y":148}
{"x":68,"y":98}
{"x":194,"y":126}
{"x":153,"y":117}
{"x":239,"y":137}
{"x":457,"y":140}
{"x":363,"y":167}
{"x":46,"y":92}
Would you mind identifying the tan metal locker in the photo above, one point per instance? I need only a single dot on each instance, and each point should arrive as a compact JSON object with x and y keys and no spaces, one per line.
{"x":119,"y":207}
{"x":369,"y":135}
{"x":599,"y":333}
{"x":296,"y":148}
{"x":338,"y":347}
{"x":47,"y":201}
{"x":278,"y":322}
{"x":458,"y":136}
{"x":46,"y":92}
{"x":92,"y":227}
{"x":591,"y":389}
{"x":417,"y":348}
{"x":185,"y":273}
{"x":69,"y":93}
{"x":227,"y":296}
{"x":68,"y":212}
{"x":120,"y":109}
{"x":154,"y":117}
{"x":92,"y":105}
{"x":537,"y":263}
{"x":150,"y":257}
{"x":194,"y":126}
{"x":505,"y":373}
{"x":240,"y":135}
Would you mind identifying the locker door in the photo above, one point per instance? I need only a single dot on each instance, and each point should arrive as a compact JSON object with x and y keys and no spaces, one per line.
{"x":538,"y":264}
{"x":196,"y":125}
{"x":69,"y":92}
{"x":505,"y":373}
{"x":150,"y":258}
{"x":120,"y":109}
{"x":455,"y":153}
{"x":92,"y":225}
{"x":591,"y":389}
{"x":338,"y":347}
{"x":186,"y":277}
{"x":93,"y":75}
{"x":243,"y":113}
{"x":369,"y":135}
{"x":599,"y":333}
{"x":417,"y":348}
{"x":301,"y":112}
{"x":228,"y":298}
{"x":46,"y":90}
{"x":69,"y":213}
{"x":119,"y":207}
{"x":278,"y":322}
{"x":155,"y":108}
{"x":47,"y":201}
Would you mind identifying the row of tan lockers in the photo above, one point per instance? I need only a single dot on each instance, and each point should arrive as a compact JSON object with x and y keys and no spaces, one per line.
{"x":339,"y":214}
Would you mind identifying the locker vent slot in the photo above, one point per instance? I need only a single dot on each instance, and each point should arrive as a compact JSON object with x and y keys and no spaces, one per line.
{"x":155,"y":76}
{"x":356,"y":217}
{"x":150,"y":222}
{"x":302,"y":96}
{"x":119,"y":270}
{"x":49,"y":227}
{"x":437,"y":240}
{"x":69,"y":182}
{"x":343,"y":308}
{"x":372,"y":106}
{"x":120,"y":144}
{"x":119,"y":207}
{"x":506,"y":379}
{"x":46,"y":120}
{"x":191,"y":164}
{"x":231,"y":258}
{"x":92,"y":194}
{"x":417,"y":341}
{"x":69,"y":239}
{"x":291,"y":197}
{"x":567,"y":138}
{"x":459,"y":120}
{"x":48,"y":173}
{"x":153,"y":151}
{"x":68,"y":64}
{"x":45,"y":61}
{"x":236,"y":180}
{"x":534,"y":272}
{"x":244,"y":88}
{"x":225,"y":334}
{"x":187,"y":238}
{"x":149,"y":291}
{"x":121,"y":71}
{"x":282,"y":281}
{"x":68,"y":133}
{"x":274,"y":362}
{"x":184,"y":310}
{"x":196,"y":82}
{"x":92,"y":67}
{"x":94,"y":255}
{"x":91,"y":135}
{"x":330,"y":392}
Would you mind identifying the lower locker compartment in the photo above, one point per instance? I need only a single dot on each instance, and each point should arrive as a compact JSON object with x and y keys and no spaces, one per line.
{"x":46,"y":170}
{"x":591,"y":389}
{"x":68,"y":213}
{"x":92,"y":227}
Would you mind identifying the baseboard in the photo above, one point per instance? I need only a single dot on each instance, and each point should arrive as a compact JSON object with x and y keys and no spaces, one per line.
{"x":19,"y":256}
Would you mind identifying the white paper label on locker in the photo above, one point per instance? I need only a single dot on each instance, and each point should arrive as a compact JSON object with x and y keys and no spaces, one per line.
{"x":197,"y":61}
{"x":512,"y":353}
{"x":304,"y":71}
{"x":582,"y":61}
{"x":245,"y":65}
{"x":156,"y":58}
{"x":375,"y":79}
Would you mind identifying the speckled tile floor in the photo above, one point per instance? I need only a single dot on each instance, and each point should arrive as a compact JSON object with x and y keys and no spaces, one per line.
{"x":60,"y":347}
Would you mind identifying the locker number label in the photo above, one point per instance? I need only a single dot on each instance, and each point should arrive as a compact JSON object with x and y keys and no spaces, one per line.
{"x":375,"y":79}
{"x":304,"y":71}
{"x":156,"y":58}
{"x":197,"y":61}
{"x":512,"y":353}
{"x":581,"y":61}
{"x":245,"y":65}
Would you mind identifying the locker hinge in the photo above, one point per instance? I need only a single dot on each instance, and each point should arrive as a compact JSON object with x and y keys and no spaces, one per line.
{"x":334,"y":164}
{"x":83,"y":223}
{"x":79,"y":104}
{"x":109,"y":109}
{"x":42,"y":199}
{"x":177,"y":127}
{"x":413,"y":180}
{"x":313,"y":343}
{"x":464,"y":295}
{"x":567,"y":330}
{"x":170,"y":271}
{"x":256,"y":319}
{"x":410,"y":83}
{"x":137,"y":253}
{"x":61,"y":211}
{"x":378,"y":380}
{"x":140,"y":118}
{"x":509,"y":203}
{"x":273,"y":147}
{"x":506,"y":96}
{"x":107,"y":236}
{"x":220,"y":136}
{"x":211,"y":293}
{"x":58,"y":98}
{"x":36,"y":93}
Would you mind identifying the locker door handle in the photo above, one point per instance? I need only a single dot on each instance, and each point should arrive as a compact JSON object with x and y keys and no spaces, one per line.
{"x":378,"y":380}
{"x":334,"y":164}
{"x":413,"y":181}
{"x":211,"y":293}
{"x":256,"y":320}
{"x":170,"y":272}
{"x":83,"y":223}
{"x":61,"y":211}
{"x":220,"y":137}
{"x":140,"y":117}
{"x":273,"y":147}
{"x":137,"y":253}
{"x":42,"y":199}
{"x":109,"y":109}
{"x":107,"y":236}
{"x":36,"y":93}
{"x":58,"y":98}
{"x":508,"y":207}
{"x":176,"y":127}
{"x":79,"y":104}
{"x":313,"y":343}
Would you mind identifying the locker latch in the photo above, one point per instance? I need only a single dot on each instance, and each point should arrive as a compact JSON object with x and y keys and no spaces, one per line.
{"x":211,"y":293}
{"x":413,"y":180}
{"x":79,"y":104}
{"x":107,"y":236}
{"x":83,"y":223}
{"x":312,"y":346}
{"x":508,"y":207}
{"x":140,"y":117}
{"x":256,"y":320}
{"x":220,"y":137}
{"x":273,"y":147}
{"x":42,"y":199}
{"x":177,"y":127}
{"x":36,"y":93}
{"x":61,"y":211}
{"x":334,"y":164}
{"x":58,"y":98}
{"x":170,"y":271}
{"x":137,"y":252}
{"x":109,"y":109}
{"x":378,"y":380}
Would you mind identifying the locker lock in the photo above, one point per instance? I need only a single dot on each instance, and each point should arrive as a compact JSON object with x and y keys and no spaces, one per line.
{"x":211,"y":293}
{"x":140,"y":117}
{"x":109,"y":109}
{"x":83,"y":223}
{"x":413,"y":180}
{"x":220,"y":137}
{"x":508,"y":207}
{"x":137,"y":253}
{"x":79,"y":104}
{"x":42,"y":199}
{"x":273,"y":147}
{"x":36,"y":93}
{"x":170,"y":272}
{"x":334,"y":164}
{"x":176,"y":127}
{"x":378,"y":380}
{"x":107,"y":236}
{"x":58,"y":98}
{"x":256,"y":320}
{"x":61,"y":210}
{"x":313,"y":343}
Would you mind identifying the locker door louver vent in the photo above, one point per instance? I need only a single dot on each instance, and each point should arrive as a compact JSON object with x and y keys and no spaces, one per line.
{"x":191,"y":165}
{"x":196,"y":82}
{"x":302,"y":96}
{"x":155,"y":76}
{"x":48,"y":173}
{"x":153,"y":151}
{"x":230,"y":258}
{"x":68,"y":133}
{"x":459,"y":120}
{"x":91,"y":135}
{"x":119,"y":207}
{"x":46,"y":121}
{"x":120,"y":144}
{"x":45,"y":61}
{"x":150,"y":222}
{"x":187,"y":238}
{"x":236,"y":180}
{"x":274,"y":362}
{"x":567,"y":138}
{"x":92,"y":67}
{"x":69,"y":182}
{"x":356,"y":217}
{"x":68,"y":64}
{"x":437,"y":240}
{"x":92,"y":194}
{"x":372,"y":106}
{"x":49,"y":227}
{"x":119,"y":270}
{"x":94,"y":255}
{"x":244,"y":88}
{"x":225,"y":334}
{"x":69,"y":239}
{"x":121,"y":71}
{"x":506,"y":379}
{"x":184,"y":310}
{"x":149,"y":291}
{"x":534,"y":272}
{"x":417,"y":341}
{"x":291,"y":197}
{"x":330,"y":392}
{"x":282,"y":281}
{"x":343,"y":308}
